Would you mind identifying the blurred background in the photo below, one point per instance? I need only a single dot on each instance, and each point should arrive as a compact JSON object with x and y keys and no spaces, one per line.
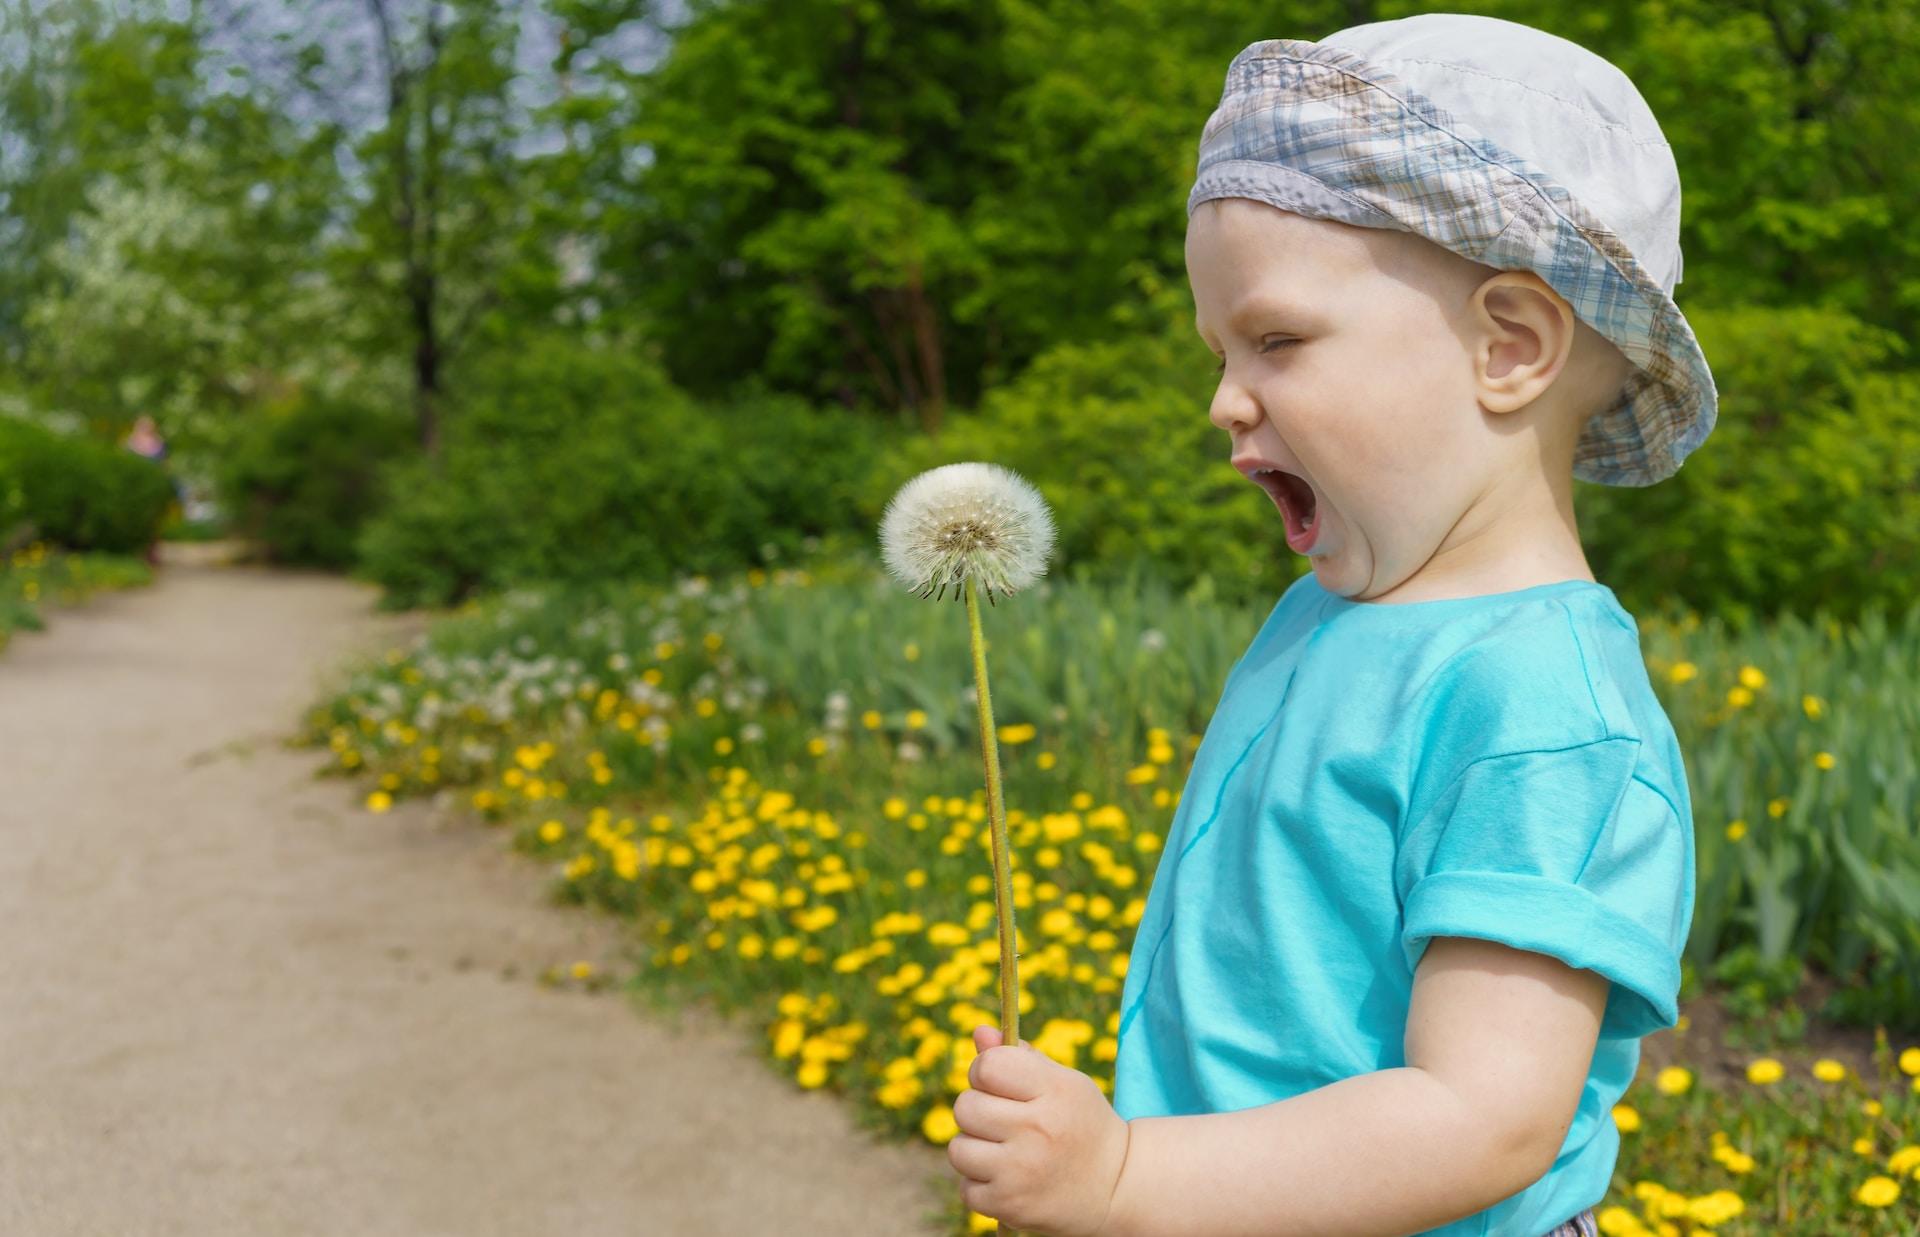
{"x":598,"y":333}
{"x":461,"y":294}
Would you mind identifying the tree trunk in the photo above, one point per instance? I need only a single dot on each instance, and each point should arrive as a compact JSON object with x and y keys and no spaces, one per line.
{"x":927,"y":352}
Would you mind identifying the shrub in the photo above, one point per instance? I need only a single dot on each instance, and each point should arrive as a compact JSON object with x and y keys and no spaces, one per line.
{"x":567,"y":461}
{"x":80,"y":493}
{"x":1806,"y":494}
{"x":303,"y":481}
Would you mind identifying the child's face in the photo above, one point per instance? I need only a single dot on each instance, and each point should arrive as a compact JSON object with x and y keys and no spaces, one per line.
{"x":1349,"y":361}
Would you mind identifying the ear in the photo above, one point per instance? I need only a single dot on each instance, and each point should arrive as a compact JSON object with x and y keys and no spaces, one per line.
{"x":1526,"y":332}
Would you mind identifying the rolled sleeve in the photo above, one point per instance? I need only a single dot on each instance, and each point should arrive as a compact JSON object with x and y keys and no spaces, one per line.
{"x":1568,"y":853}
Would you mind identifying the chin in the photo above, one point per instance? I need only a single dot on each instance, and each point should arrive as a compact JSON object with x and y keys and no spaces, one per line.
{"x":1328,"y":575}
{"x":1337,"y":576}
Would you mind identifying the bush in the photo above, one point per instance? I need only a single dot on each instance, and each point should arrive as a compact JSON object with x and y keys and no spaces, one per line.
{"x":567,"y":461}
{"x":303,"y":481}
{"x":1805,"y":496}
{"x":80,"y":493}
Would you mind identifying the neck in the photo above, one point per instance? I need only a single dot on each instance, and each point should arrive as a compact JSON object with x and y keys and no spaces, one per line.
{"x":1519,"y":534}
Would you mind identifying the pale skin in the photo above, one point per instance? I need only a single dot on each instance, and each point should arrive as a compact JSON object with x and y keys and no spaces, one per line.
{"x":1433,"y":403}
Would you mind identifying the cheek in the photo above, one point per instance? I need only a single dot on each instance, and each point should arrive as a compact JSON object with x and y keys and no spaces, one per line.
{"x":1391,"y":433}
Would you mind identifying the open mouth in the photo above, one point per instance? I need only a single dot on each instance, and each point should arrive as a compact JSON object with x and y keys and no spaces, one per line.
{"x":1298,"y":504}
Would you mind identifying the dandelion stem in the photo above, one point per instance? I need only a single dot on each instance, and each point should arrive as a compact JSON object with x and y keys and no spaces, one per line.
{"x":1002,"y":859}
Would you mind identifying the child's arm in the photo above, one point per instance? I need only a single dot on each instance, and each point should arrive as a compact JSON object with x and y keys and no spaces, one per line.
{"x":1498,"y":1045}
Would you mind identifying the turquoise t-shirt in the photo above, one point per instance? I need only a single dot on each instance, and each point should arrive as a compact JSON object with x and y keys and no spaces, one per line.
{"x":1378,"y":774}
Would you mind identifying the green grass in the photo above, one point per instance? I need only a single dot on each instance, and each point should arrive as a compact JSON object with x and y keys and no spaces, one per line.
{"x":37,"y":576}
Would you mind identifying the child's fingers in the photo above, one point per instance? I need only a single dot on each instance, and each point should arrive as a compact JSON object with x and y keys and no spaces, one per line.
{"x":985,"y":1037}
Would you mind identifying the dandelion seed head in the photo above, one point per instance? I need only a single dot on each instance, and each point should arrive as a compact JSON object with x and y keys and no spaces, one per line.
{"x":967,"y":521}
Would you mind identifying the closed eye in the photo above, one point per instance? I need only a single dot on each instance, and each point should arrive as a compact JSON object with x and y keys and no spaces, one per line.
{"x":1222,"y":367}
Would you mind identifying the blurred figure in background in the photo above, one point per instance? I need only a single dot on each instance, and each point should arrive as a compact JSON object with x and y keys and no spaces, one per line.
{"x":144,"y":439}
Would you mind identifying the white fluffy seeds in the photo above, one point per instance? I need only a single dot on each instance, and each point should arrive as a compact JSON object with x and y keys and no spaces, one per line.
{"x":960,"y":521}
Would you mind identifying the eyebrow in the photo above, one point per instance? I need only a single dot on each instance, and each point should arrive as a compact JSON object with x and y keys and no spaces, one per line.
{"x":1263,"y":307}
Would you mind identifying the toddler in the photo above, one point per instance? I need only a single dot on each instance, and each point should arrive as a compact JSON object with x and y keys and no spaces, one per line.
{"x":1432,"y":871}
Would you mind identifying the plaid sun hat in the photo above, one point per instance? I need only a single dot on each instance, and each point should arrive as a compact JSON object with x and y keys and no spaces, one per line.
{"x":1425,"y":124}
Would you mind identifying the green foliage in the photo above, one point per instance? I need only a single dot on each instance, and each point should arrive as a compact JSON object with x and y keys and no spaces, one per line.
{"x":303,"y":481}
{"x":82,"y":493}
{"x":1758,"y":992}
{"x":567,"y":460}
{"x":910,"y":202}
{"x":35,"y":577}
{"x":1806,"y":493}
{"x":954,"y":213}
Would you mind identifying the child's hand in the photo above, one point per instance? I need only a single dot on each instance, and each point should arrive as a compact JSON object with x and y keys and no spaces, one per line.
{"x":1039,"y":1143}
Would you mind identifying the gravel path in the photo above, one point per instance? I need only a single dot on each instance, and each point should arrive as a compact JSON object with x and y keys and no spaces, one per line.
{"x":236,"y":1003}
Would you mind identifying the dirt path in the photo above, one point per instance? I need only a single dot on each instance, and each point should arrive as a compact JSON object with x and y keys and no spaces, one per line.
{"x":235,"y":1003}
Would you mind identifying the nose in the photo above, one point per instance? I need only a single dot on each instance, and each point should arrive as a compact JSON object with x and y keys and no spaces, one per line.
{"x":1234,"y":409}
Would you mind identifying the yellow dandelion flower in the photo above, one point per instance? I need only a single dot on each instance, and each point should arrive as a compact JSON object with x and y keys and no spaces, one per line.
{"x":1871,"y":1108}
{"x":1019,"y":732}
{"x":379,"y":801}
{"x":871,"y":719}
{"x":1863,"y":1146}
{"x":552,"y":831}
{"x":1903,"y":1160}
{"x":1715,"y":1208}
{"x":911,"y":652}
{"x":1764,"y":1070}
{"x":938,"y":1125}
{"x":916,"y":718}
{"x":1910,"y":1061}
{"x":1736,"y":830}
{"x":1750,"y":676}
{"x":1140,"y":774}
{"x":582,"y":970}
{"x":1673,"y":1080}
{"x":1737,"y":1161}
{"x":1682,"y":671}
{"x":1823,"y":760}
{"x":1826,"y":1069}
{"x":812,"y":1074}
{"x":1813,"y":707}
{"x":1739,"y":697}
{"x":1046,"y":760}
{"x":1877,"y":1191}
{"x":1626,"y":1118}
{"x":1776,"y":808}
